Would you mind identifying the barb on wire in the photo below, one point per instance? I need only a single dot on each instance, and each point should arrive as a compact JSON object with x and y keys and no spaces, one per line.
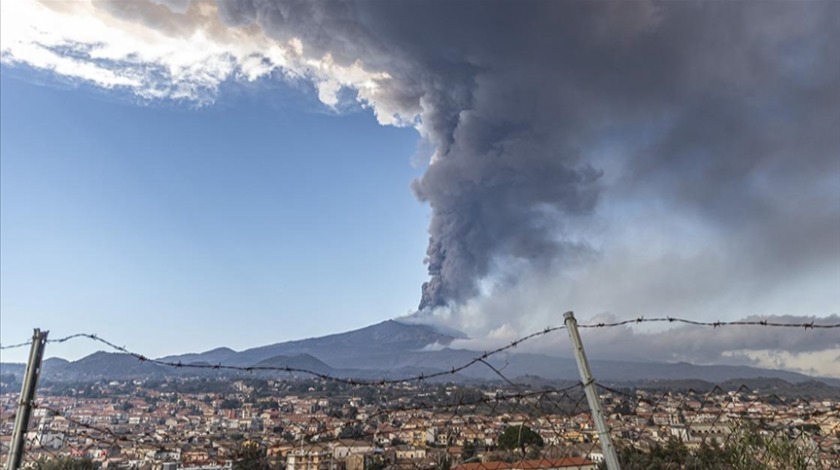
{"x":514,"y":344}
{"x":49,"y":341}
{"x":714,"y":324}
{"x":454,"y":370}
{"x":15,"y":346}
{"x":320,"y":375}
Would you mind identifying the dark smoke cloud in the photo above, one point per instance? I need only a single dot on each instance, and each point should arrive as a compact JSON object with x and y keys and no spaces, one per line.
{"x":547,"y":116}
{"x":615,"y":158}
{"x":734,"y":99}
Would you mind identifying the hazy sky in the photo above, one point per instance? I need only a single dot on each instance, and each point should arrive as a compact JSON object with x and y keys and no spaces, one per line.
{"x":180,"y":174}
{"x":170,"y":228}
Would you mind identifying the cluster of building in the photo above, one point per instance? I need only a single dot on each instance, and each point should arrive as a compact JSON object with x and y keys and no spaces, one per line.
{"x":164,"y":430}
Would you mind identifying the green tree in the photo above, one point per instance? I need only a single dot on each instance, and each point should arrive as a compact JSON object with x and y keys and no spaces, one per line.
{"x":747,"y":448}
{"x":352,"y":431}
{"x":444,"y":462}
{"x":751,"y":449}
{"x":230,"y":404}
{"x":519,"y":437}
{"x":251,"y":456}
{"x":468,"y":451}
{"x":66,"y":463}
{"x":375,"y":463}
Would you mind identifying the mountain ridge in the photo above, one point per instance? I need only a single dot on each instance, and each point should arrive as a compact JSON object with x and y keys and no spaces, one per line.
{"x":392,"y":348}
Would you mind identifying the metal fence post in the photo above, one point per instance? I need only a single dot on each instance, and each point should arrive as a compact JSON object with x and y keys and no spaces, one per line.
{"x":591,"y":394}
{"x":27,"y":398}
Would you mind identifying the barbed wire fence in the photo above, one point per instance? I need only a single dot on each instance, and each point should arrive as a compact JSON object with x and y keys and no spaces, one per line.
{"x":431,"y":421}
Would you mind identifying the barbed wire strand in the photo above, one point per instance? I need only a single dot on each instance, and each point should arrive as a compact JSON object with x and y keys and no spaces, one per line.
{"x":668,"y":319}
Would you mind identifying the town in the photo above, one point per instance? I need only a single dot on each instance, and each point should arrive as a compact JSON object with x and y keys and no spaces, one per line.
{"x":204,"y":423}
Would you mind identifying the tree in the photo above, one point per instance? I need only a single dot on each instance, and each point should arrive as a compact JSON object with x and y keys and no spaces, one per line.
{"x":746,"y":449}
{"x":230,"y":404}
{"x":66,"y":463}
{"x":251,"y":456}
{"x":271,"y":404}
{"x":468,"y":451}
{"x":444,"y":462}
{"x":749,"y":448}
{"x":352,"y":431}
{"x":519,"y":437}
{"x":376,"y":462}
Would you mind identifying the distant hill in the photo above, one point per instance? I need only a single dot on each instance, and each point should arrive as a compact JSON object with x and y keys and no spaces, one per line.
{"x":214,"y":356}
{"x":49,"y":366}
{"x":354,"y":348}
{"x":300,"y":361}
{"x":54,"y":365}
{"x":394,"y":350}
{"x":761,"y":385}
{"x":104,"y":365}
{"x":13,"y":368}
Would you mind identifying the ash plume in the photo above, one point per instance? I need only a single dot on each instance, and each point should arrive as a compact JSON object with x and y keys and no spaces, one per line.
{"x":633,"y":156}
{"x":725,"y":113}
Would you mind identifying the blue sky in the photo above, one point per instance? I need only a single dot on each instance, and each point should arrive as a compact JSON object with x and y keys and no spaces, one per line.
{"x":172,"y":227}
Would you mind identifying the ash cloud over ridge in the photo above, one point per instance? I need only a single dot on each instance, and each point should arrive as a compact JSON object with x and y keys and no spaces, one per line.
{"x":727,"y":111}
{"x":680,"y":153}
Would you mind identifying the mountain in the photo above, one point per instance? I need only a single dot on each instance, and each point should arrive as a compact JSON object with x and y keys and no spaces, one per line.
{"x":213,"y":356}
{"x":382,"y":349}
{"x":13,"y":368}
{"x":354,"y":349}
{"x":358,"y":349}
{"x":395,"y":350}
{"x":48,"y":367}
{"x":54,"y":365}
{"x":105,"y":365}
{"x":300,"y":361}
{"x":765,"y":386}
